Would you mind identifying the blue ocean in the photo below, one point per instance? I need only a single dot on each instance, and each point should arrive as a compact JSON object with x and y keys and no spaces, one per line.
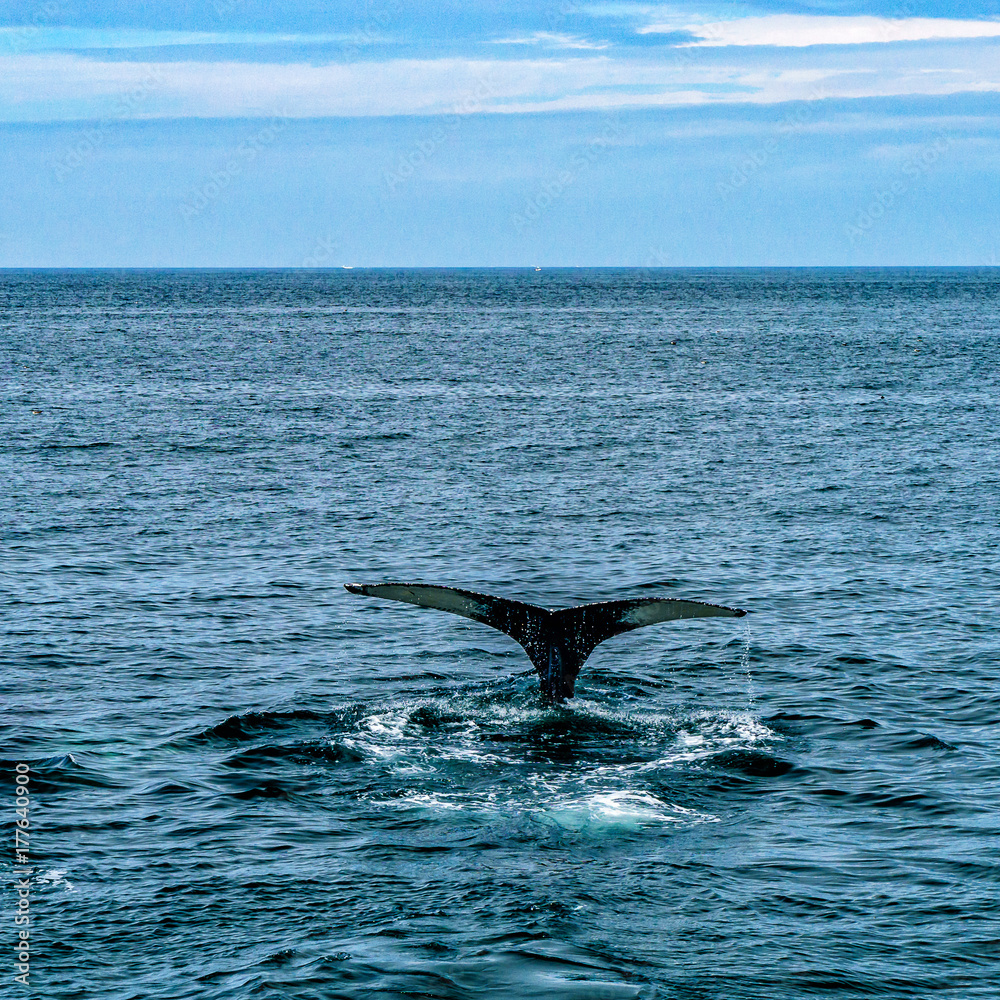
{"x":246,"y":783}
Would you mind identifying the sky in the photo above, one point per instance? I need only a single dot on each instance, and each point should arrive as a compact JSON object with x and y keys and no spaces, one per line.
{"x":463,"y":133}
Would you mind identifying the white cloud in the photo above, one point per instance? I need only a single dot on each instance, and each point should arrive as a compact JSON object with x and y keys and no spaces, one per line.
{"x":796,"y":31}
{"x":552,"y":40}
{"x":40,"y":38}
{"x":66,"y":86}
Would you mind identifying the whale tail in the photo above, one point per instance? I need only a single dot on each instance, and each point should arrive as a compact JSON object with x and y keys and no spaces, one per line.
{"x":524,"y":623}
{"x":557,"y":641}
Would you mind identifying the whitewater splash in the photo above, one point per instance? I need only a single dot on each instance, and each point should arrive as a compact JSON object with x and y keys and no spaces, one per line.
{"x":490,"y":763}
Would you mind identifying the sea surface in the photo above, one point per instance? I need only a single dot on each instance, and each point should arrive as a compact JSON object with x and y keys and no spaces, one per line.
{"x":246,"y":783}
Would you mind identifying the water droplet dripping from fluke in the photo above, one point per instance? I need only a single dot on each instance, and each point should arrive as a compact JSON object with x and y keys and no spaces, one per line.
{"x":745,"y":667}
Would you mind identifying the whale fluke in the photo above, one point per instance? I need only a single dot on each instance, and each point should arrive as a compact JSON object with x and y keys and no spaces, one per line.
{"x":557,"y":641}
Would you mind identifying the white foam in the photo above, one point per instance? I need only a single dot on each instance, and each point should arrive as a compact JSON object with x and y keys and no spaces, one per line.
{"x":619,"y":809}
{"x":594,"y":792}
{"x":601,"y":810}
{"x":54,"y":878}
{"x":481,"y":806}
{"x":429,"y":800}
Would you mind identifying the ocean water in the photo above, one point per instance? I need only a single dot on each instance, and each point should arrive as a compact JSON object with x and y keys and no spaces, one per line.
{"x":247,"y":783}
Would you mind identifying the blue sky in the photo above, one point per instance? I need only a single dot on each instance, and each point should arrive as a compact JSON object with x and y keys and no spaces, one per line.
{"x":307,"y":133}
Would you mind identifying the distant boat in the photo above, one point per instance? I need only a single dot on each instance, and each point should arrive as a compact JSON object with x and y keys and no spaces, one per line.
{"x":347,"y":267}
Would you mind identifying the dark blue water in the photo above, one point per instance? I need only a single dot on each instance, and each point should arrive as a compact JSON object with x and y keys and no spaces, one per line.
{"x":247,"y":783}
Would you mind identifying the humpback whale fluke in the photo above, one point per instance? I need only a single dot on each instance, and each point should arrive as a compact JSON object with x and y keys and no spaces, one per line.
{"x":557,"y":641}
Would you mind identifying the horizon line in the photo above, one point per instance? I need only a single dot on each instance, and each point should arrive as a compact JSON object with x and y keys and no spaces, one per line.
{"x":5,"y":269}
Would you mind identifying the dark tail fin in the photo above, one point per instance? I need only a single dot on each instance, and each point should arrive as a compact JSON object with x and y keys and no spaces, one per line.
{"x":585,"y":627}
{"x":524,"y":623}
{"x":557,"y":642}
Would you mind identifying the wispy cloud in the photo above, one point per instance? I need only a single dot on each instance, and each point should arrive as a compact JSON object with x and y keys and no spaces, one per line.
{"x":552,"y":40}
{"x":67,"y":86}
{"x":798,"y":31}
{"x":53,"y":38}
